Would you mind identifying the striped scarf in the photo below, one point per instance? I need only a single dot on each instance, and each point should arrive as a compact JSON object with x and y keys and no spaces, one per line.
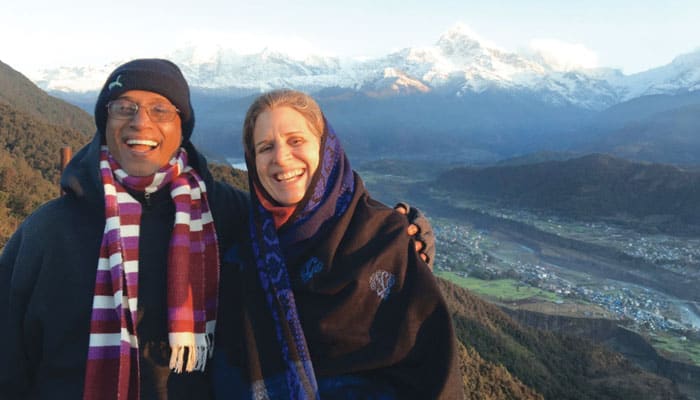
{"x":193,"y":272}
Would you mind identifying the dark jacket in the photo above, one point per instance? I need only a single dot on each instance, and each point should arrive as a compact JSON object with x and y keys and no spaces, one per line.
{"x":362,"y":336}
{"x":47,"y":279}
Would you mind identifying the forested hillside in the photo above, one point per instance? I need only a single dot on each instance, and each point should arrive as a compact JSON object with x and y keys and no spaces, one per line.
{"x":33,"y":128}
{"x":508,"y":355}
{"x":29,"y":164}
{"x":21,"y":93}
{"x":232,"y":176}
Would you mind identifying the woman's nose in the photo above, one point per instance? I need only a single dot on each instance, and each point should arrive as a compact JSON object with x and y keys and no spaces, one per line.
{"x":281,"y":154}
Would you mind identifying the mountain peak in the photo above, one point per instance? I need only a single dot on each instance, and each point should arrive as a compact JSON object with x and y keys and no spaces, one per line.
{"x":460,"y":39}
{"x":691,"y":59}
{"x":460,"y":31}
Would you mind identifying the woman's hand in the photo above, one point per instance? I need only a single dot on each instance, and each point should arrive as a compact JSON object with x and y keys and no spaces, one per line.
{"x":421,"y":230}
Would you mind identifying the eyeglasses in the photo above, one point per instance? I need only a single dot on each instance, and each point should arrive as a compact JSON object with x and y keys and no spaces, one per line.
{"x":127,"y":109}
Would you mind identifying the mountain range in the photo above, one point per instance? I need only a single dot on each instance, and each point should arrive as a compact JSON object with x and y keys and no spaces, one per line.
{"x":458,"y":101}
{"x":457,"y":64}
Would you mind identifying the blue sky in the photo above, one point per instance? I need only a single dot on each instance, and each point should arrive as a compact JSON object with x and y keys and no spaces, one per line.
{"x":633,"y":35}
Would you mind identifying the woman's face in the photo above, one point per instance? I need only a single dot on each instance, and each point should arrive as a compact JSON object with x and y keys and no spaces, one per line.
{"x":287,"y":154}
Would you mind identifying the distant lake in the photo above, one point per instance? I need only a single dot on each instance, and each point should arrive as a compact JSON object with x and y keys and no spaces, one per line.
{"x":238,"y":163}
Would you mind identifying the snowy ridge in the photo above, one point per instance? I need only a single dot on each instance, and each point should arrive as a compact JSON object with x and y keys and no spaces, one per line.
{"x":682,"y":74}
{"x":458,"y":64}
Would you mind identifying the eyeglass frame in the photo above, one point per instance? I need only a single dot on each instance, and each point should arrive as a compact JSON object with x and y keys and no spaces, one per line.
{"x":138,"y":107}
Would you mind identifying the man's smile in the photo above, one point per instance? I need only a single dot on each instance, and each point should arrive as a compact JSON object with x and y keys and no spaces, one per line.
{"x":141,"y":145}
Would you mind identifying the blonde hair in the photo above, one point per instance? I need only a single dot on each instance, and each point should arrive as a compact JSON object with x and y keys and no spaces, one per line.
{"x":294,"y":99}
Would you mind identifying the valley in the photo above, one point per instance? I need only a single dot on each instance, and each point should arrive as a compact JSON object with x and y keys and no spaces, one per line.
{"x":522,"y":260}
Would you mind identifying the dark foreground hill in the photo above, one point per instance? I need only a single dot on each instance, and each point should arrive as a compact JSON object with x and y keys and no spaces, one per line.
{"x":508,"y":356}
{"x":595,"y":186}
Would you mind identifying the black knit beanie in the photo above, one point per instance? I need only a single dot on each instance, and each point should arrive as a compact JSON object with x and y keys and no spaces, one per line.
{"x":153,"y":75}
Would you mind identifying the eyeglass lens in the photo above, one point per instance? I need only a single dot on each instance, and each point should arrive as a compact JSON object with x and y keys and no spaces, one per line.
{"x":125,"y":109}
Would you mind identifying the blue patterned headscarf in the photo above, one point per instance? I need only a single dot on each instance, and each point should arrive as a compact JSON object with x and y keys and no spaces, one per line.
{"x":327,"y":198}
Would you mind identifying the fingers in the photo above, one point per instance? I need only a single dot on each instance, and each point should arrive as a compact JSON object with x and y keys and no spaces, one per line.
{"x":401,"y":208}
{"x":421,"y":231}
{"x":419,"y":246}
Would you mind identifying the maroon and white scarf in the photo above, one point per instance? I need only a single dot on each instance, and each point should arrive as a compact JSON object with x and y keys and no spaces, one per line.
{"x":193,"y":275}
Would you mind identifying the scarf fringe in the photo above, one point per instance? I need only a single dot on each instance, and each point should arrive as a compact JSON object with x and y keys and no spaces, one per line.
{"x":196,"y":358}
{"x":209,"y":337}
{"x":198,"y":347}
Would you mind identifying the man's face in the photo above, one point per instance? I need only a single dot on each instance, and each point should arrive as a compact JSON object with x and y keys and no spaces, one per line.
{"x":141,"y":145}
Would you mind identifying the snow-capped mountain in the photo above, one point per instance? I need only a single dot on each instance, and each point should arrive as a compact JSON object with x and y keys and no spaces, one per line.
{"x":681,"y":75}
{"x":457,"y":64}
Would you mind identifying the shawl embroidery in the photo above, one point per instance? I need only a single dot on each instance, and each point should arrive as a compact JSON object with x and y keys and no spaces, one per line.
{"x":311,"y":268}
{"x":381,"y":282}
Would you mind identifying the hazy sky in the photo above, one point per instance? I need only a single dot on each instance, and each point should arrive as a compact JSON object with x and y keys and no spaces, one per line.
{"x":633,"y":35}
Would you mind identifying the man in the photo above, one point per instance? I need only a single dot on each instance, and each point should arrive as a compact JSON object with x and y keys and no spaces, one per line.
{"x":107,"y":288}
{"x":110,"y":291}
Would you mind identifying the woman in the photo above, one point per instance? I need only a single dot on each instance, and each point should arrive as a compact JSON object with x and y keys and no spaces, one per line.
{"x":334,"y":301}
